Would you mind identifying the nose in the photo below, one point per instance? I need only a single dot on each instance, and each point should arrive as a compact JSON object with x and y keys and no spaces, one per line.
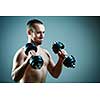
{"x":41,"y":34}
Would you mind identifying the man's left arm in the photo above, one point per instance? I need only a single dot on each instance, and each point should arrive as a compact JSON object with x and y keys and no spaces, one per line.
{"x":55,"y":69}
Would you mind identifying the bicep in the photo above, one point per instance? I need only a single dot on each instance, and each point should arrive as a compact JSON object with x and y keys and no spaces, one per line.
{"x":16,"y":61}
{"x":15,"y":64}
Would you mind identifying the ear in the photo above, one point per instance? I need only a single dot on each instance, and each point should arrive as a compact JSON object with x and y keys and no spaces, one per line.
{"x":29,"y":32}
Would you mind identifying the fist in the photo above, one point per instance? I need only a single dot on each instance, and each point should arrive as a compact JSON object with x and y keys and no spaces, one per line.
{"x":62,"y":53}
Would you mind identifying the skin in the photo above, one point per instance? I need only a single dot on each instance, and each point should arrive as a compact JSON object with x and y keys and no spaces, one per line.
{"x":23,"y":72}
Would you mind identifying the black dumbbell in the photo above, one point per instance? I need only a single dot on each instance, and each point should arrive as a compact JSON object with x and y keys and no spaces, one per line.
{"x":30,"y":46}
{"x":69,"y":61}
{"x":35,"y":61}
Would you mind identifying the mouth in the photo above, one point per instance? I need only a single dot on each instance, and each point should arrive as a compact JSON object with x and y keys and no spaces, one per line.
{"x":40,"y":38}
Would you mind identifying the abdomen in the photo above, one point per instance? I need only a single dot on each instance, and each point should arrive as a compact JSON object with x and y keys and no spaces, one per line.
{"x":34,"y":75}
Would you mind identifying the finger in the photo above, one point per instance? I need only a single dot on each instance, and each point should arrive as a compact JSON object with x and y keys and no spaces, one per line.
{"x":64,"y":52}
{"x":33,"y":52}
{"x":61,"y":54}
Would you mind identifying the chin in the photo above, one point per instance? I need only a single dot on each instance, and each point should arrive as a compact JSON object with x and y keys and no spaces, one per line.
{"x":39,"y":42}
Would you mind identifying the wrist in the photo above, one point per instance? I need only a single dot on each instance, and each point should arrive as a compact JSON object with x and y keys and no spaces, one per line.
{"x":61,"y":58}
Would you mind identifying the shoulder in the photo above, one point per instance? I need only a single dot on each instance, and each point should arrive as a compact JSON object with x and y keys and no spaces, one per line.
{"x":46,"y":52}
{"x":18,"y":54}
{"x":18,"y":58}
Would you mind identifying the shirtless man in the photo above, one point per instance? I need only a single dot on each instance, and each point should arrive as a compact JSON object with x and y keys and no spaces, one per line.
{"x":22,"y":71}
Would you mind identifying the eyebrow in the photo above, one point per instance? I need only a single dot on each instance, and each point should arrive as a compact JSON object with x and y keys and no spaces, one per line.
{"x":40,"y":31}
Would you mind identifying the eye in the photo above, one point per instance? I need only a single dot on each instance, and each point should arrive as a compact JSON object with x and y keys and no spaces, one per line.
{"x":43,"y":31}
{"x":40,"y":32}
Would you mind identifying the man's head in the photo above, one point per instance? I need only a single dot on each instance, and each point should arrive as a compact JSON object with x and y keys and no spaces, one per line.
{"x":35,"y":30}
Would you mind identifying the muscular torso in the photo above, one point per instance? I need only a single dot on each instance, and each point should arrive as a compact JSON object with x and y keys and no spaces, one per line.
{"x":36,"y":75}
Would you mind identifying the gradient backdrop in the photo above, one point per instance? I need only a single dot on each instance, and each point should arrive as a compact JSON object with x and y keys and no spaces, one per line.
{"x":81,"y":36}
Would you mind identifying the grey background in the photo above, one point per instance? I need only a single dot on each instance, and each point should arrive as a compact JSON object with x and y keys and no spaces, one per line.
{"x":80,"y":34}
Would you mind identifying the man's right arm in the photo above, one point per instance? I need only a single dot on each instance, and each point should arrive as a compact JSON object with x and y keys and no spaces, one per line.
{"x":19,"y":66}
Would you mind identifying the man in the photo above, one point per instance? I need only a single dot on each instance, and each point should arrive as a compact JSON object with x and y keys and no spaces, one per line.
{"x":22,"y":71}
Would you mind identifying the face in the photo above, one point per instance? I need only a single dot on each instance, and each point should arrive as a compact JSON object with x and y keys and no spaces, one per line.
{"x":37,"y":35}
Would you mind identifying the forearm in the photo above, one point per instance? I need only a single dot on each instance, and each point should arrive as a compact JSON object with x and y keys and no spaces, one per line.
{"x":57,"y":68}
{"x":18,"y":73}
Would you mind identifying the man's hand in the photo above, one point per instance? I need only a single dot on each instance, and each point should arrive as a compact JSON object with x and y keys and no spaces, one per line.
{"x":62,"y":53}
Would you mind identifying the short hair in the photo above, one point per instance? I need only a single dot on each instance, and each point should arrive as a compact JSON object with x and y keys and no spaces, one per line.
{"x":33,"y":21}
